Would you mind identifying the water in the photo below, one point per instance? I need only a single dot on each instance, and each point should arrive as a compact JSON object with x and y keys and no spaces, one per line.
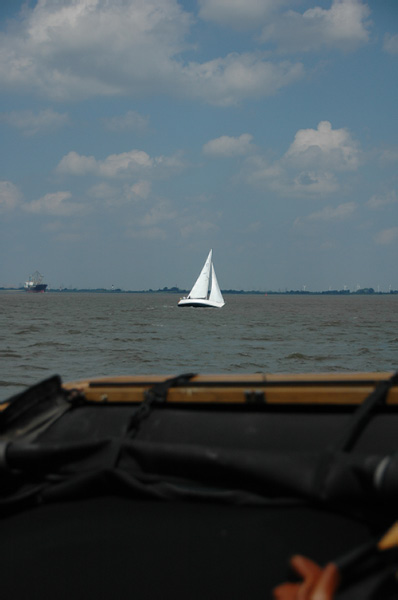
{"x":84,"y":335}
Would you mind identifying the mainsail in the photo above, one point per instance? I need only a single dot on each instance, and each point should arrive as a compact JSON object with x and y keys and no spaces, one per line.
{"x":201,"y":286}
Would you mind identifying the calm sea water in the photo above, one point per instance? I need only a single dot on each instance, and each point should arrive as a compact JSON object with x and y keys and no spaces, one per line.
{"x":82,"y":335}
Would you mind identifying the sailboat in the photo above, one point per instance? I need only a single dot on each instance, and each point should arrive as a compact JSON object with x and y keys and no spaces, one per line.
{"x":202,"y":294}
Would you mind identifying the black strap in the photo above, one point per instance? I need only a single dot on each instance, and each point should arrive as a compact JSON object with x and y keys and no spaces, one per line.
{"x":363,"y":414}
{"x":157,"y":394}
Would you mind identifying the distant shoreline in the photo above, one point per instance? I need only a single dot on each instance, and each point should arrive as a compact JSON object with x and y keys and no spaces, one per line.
{"x":177,"y":291}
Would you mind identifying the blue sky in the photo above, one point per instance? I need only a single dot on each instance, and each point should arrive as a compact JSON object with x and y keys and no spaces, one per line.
{"x":138,"y":134}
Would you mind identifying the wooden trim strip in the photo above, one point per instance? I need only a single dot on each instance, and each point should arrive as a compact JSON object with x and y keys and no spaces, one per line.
{"x":306,"y":389}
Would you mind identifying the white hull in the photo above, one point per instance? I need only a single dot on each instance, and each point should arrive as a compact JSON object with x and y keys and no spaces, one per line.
{"x":200,"y":303}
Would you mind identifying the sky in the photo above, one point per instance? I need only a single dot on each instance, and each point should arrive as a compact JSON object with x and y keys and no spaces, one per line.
{"x":135,"y":135}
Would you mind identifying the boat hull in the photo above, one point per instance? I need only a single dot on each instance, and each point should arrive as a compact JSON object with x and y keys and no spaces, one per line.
{"x":37,"y":289}
{"x":200,"y":303}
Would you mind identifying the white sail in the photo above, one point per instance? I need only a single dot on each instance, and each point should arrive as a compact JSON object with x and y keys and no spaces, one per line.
{"x":201,"y":286}
{"x":215,"y":292}
{"x":199,"y":294}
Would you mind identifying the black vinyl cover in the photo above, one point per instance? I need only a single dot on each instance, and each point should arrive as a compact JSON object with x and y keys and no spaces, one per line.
{"x":160,"y":500}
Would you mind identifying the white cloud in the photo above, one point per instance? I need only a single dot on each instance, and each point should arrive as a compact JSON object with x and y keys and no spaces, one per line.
{"x":29,"y":123}
{"x":390,"y":43}
{"x":155,"y":223}
{"x":380,"y":200}
{"x":113,"y":196}
{"x":10,"y":196}
{"x":311,"y":164}
{"x":75,"y":164}
{"x":227,"y":81}
{"x":227,"y":146}
{"x":89,"y":47}
{"x":344,"y":26}
{"x":309,"y":183}
{"x":131,"y":121}
{"x":103,"y":191}
{"x":331,"y":213}
{"x":281,"y":178}
{"x":330,"y":147}
{"x":162,"y":220}
{"x":84,"y":48}
{"x":159,"y":213}
{"x":239,"y":14}
{"x":56,"y":204}
{"x":126,"y":162}
{"x":115,"y":165}
{"x":141,"y":189}
{"x":387,"y":236}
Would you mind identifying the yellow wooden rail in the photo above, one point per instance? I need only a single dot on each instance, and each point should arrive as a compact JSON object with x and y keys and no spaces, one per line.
{"x":314,"y":388}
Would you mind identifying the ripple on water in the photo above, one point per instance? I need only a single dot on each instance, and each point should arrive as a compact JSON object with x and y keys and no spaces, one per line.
{"x":84,"y":335}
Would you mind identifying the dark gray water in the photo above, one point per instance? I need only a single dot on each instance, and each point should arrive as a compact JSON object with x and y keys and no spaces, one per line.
{"x":84,"y":335}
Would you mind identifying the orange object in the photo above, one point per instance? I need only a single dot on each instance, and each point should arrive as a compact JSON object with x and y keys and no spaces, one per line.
{"x":317,"y":584}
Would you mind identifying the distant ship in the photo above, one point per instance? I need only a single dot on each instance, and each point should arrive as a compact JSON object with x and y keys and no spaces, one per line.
{"x":34,"y":283}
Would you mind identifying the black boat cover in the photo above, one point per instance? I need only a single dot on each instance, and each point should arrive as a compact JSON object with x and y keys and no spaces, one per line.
{"x":159,"y":500}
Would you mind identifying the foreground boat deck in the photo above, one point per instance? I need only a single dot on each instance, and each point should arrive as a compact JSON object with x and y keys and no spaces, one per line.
{"x":197,"y":486}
